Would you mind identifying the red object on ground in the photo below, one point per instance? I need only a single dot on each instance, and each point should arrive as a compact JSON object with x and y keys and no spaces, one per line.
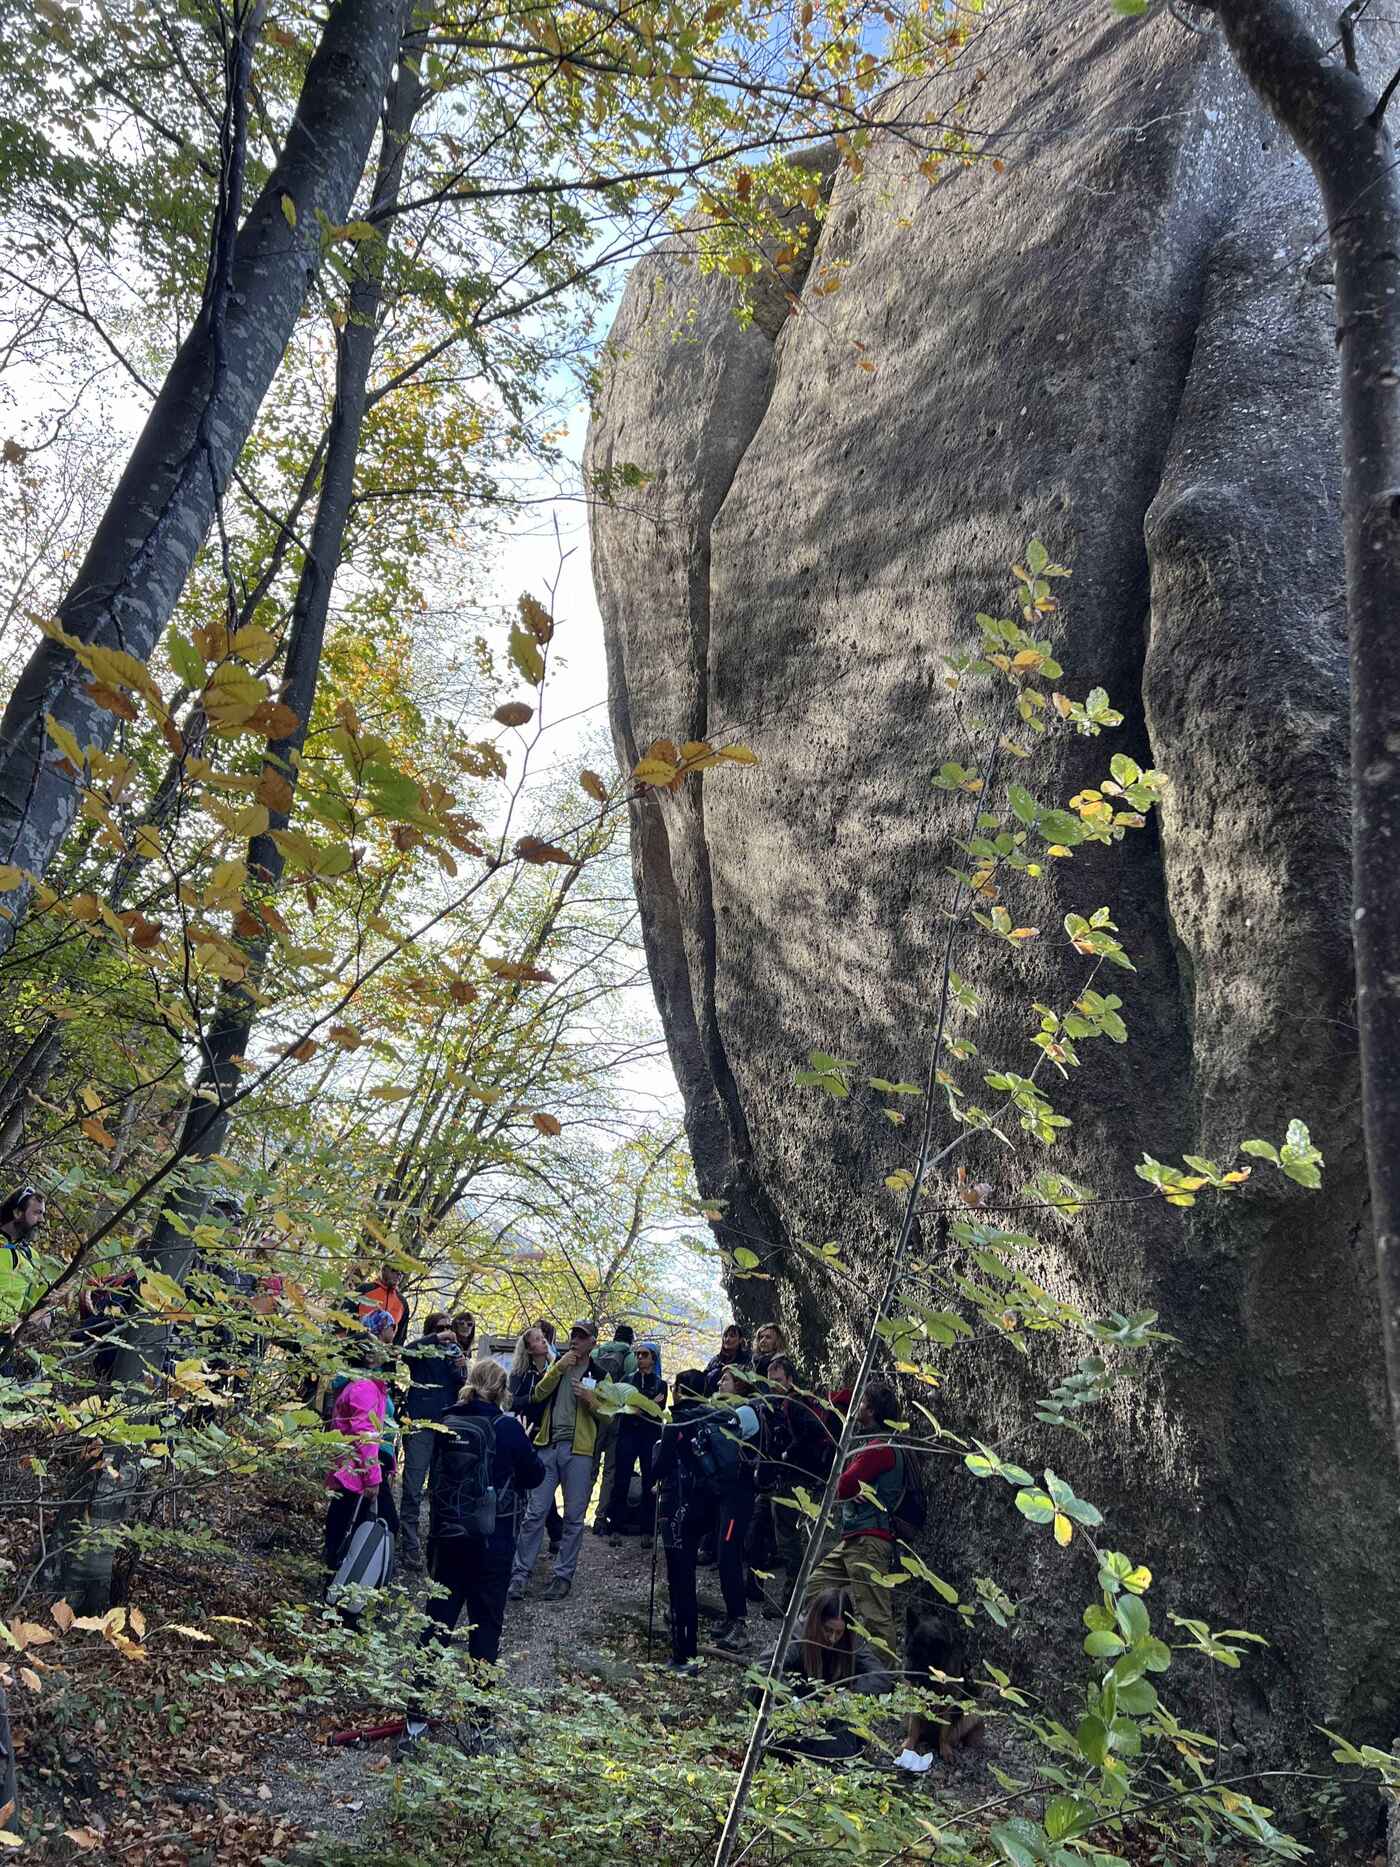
{"x":366,"y":1734}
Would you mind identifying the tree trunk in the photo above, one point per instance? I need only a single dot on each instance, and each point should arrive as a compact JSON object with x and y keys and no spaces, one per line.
{"x":158,"y":517}
{"x":1336,"y":119}
{"x":207,"y":1122}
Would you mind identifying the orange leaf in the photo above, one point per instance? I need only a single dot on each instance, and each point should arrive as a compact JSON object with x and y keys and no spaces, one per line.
{"x":274,"y":791}
{"x":547,"y":1124}
{"x":111,"y":701}
{"x":516,"y":969}
{"x":531,"y":849}
{"x":94,"y":1131}
{"x":514,"y":713}
{"x":594,"y":786}
{"x":272,"y":720}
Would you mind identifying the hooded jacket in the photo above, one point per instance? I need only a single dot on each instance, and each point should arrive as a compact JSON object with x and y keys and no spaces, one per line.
{"x":362,"y":1412}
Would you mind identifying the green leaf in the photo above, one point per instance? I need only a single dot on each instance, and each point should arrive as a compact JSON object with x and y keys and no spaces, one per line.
{"x":1035,"y":1505}
{"x":525,"y":655}
{"x":1102,"y":1645}
{"x":1092,"y":1739}
{"x":185,"y":658}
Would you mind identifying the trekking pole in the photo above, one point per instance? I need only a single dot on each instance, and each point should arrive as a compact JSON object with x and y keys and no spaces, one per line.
{"x":651,"y":1604}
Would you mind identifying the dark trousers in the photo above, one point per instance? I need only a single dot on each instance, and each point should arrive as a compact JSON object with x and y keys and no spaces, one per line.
{"x":636,"y":1442}
{"x":476,"y":1576}
{"x":680,"y":1582}
{"x":346,"y":1506}
{"x":735,"y":1514}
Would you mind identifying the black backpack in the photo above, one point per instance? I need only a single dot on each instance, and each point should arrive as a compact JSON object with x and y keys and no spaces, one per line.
{"x":910,"y":1510}
{"x":464,"y":1498}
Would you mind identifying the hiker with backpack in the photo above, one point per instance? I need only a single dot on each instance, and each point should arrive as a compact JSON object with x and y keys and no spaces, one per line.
{"x":483,"y":1469}
{"x":359,"y":1486}
{"x":637,"y":1434}
{"x":565,"y":1438}
{"x":437,"y":1369}
{"x":684,"y":1509}
{"x":870,"y":1529}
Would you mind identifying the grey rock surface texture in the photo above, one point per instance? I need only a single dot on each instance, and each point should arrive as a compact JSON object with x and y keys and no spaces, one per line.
{"x":1122,"y":344}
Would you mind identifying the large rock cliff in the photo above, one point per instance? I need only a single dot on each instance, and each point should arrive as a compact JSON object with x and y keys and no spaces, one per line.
{"x":1123,"y":344}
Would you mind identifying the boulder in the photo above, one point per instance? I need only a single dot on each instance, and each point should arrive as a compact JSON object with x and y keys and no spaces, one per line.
{"x":1120,"y":343}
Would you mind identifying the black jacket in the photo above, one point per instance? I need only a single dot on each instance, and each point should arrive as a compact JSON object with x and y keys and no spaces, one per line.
{"x":717,"y":1364}
{"x":436,"y":1374}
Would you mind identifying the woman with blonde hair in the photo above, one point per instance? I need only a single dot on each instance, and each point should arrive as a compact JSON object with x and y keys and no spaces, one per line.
{"x":483,"y":1469}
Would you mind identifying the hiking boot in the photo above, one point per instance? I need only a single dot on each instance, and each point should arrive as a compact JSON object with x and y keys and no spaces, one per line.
{"x":557,"y":1589}
{"x":685,"y":1669}
{"x":516,"y":1592}
{"x":734,"y":1635}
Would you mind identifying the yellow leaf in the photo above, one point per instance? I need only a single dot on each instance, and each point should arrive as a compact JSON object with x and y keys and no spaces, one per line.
{"x":289,"y":210}
{"x":390,"y":1092}
{"x":30,"y":1634}
{"x":10,"y":877}
{"x":64,"y":740}
{"x":1064,"y":1530}
{"x":193,"y":1633}
{"x":653,"y":771}
{"x":739,"y":755}
{"x":138,"y":1623}
{"x":1023,"y":933}
{"x":92,"y":1101}
{"x":61,"y":1615}
{"x":252,"y":642}
{"x":1057,"y":849}
{"x":31,"y":1678}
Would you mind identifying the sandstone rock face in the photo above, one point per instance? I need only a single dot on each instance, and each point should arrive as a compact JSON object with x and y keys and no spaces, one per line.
{"x":1123,"y":345}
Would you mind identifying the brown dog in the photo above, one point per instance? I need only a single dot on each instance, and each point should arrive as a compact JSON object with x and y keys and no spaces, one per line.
{"x":933,"y":1655}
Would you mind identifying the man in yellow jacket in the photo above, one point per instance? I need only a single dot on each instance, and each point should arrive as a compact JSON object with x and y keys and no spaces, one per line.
{"x":567,"y":1393}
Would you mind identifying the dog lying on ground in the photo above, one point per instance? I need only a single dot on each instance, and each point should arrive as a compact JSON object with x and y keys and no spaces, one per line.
{"x":934,"y":1654}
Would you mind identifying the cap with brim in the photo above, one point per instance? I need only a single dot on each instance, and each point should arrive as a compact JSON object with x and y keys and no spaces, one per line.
{"x":590,"y":1329}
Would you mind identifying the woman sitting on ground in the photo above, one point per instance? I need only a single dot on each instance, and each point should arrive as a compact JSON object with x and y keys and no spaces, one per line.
{"x":825,"y":1658}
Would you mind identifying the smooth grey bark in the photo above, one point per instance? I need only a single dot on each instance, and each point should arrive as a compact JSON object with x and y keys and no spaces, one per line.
{"x":147,"y":541}
{"x":1337,"y":120}
{"x":208,"y":1116}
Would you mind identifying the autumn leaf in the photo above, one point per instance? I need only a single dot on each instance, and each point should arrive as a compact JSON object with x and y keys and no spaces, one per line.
{"x":61,"y":1615}
{"x":111,"y":701}
{"x":537,"y":619}
{"x":594,"y":786}
{"x":514,"y":713}
{"x":516,"y":969}
{"x":547,"y":1124}
{"x":274,"y":791}
{"x":94,"y":1131}
{"x":272,"y":720}
{"x":531,"y":849}
{"x":289,"y":211}
{"x":654,"y":771}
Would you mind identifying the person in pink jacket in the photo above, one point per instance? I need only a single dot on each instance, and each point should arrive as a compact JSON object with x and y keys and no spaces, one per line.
{"x":362,"y":1412}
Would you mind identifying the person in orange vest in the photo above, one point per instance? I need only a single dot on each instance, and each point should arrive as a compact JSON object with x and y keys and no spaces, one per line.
{"x":385,"y":1294}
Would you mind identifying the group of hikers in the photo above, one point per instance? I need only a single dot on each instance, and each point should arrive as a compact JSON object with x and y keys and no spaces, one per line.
{"x":715,"y":1467}
{"x":510,"y":1459}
